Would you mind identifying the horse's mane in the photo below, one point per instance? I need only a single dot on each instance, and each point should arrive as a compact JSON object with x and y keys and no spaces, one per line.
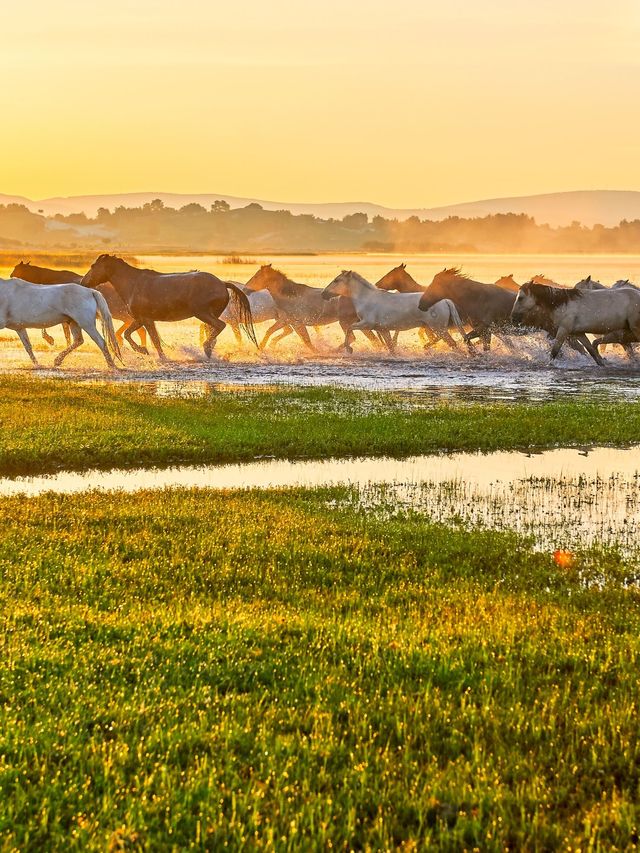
{"x":451,"y":272}
{"x":551,"y":297}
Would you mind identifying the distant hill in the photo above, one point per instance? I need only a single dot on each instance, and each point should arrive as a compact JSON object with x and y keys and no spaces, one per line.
{"x":607,"y":207}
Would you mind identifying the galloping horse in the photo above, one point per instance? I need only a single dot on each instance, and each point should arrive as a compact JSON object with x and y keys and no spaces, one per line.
{"x":28,"y":306}
{"x":573,"y":311}
{"x":27,"y":271}
{"x":486,"y":307}
{"x":299,"y":305}
{"x":382,"y":311}
{"x":151,"y":296}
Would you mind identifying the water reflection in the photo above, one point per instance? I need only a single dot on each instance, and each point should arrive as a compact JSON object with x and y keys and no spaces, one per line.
{"x":563,"y":498}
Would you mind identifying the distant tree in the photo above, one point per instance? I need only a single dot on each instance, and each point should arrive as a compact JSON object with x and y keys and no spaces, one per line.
{"x":220,"y":206}
{"x":355,"y":221}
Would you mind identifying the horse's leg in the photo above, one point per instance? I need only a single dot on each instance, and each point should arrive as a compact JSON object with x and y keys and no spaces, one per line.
{"x":142,"y":334}
{"x":285,"y":334}
{"x":214,"y":326}
{"x":77,"y":340}
{"x":485,"y":337}
{"x":67,"y":333}
{"x":396,"y":335}
{"x":304,"y":335}
{"x":48,"y":338}
{"x":559,"y":339}
{"x":26,"y":343}
{"x":446,"y":337}
{"x":133,"y":326}
{"x":91,"y":329}
{"x":388,"y":341}
{"x":372,"y":337}
{"x":279,"y":324}
{"x":155,"y":338}
{"x":428,"y":333}
{"x":585,"y":344}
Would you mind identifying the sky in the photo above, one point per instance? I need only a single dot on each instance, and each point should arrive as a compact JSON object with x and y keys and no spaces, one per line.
{"x":411,"y":103}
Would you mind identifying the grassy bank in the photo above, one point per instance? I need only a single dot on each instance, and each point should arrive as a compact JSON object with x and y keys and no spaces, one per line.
{"x":49,"y":425}
{"x":188,"y":670}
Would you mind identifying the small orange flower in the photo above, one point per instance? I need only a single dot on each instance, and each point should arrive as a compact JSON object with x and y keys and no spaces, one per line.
{"x":563,"y":558}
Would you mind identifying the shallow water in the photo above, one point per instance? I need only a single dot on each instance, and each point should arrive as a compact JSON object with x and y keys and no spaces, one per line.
{"x":435,"y":375}
{"x":562,"y":497}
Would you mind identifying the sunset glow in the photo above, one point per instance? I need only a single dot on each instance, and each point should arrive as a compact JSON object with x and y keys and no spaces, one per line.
{"x":419,"y":103}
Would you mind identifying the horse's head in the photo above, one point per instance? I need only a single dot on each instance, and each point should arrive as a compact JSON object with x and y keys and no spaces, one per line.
{"x":526,"y":303}
{"x":21,"y":269}
{"x":260,"y":279}
{"x":339,"y":286}
{"x":100,"y":271}
{"x":395,"y":279}
{"x":535,"y":300}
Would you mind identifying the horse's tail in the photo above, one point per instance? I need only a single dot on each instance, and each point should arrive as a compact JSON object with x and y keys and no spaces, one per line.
{"x":108,"y":331}
{"x":242,"y":308}
{"x":454,"y":316}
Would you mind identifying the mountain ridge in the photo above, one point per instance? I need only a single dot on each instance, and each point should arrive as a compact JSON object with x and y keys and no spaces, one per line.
{"x":589,"y":207}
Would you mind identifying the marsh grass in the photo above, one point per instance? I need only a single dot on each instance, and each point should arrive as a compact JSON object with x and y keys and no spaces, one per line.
{"x":48,"y":425}
{"x":193,"y":670}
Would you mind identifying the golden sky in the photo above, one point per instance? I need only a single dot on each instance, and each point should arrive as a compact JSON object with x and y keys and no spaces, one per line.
{"x":410,"y":103}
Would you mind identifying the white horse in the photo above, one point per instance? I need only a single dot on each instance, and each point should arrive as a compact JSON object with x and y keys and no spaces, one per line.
{"x":385,"y":311}
{"x":29,"y":306}
{"x":575,"y":311}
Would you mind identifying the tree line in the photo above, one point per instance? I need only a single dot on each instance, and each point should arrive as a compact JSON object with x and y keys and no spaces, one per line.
{"x":194,"y":228}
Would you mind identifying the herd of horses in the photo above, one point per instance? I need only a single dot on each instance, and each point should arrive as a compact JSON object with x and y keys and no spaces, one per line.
{"x":41,"y":298}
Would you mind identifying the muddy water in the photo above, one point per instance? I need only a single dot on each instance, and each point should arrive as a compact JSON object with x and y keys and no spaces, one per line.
{"x":563,"y":498}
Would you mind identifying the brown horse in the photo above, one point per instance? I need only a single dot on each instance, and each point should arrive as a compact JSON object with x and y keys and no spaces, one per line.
{"x":299,"y":305}
{"x":151,"y":296}
{"x":399,"y":279}
{"x":27,"y":271}
{"x":486,"y":307}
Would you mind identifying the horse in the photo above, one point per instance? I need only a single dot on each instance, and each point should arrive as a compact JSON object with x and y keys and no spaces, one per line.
{"x":625,"y":339}
{"x":574,"y":311}
{"x":382,"y":311}
{"x":399,"y":279}
{"x":486,"y":307}
{"x":151,"y":296}
{"x":590,"y":284}
{"x":43,"y":275}
{"x":299,"y":305}
{"x":29,"y":306}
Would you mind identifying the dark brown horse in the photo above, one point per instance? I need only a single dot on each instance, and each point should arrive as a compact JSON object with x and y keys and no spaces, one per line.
{"x":27,"y":271}
{"x":486,"y":307}
{"x":152,"y":296}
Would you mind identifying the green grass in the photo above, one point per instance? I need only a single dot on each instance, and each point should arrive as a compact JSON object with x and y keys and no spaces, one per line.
{"x":49,"y":425}
{"x":189,"y":670}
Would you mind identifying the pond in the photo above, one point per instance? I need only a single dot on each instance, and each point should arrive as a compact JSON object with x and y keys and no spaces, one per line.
{"x":561,"y":497}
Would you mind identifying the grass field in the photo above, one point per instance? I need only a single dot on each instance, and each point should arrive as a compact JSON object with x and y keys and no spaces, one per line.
{"x":51,"y":425}
{"x":189,"y":670}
